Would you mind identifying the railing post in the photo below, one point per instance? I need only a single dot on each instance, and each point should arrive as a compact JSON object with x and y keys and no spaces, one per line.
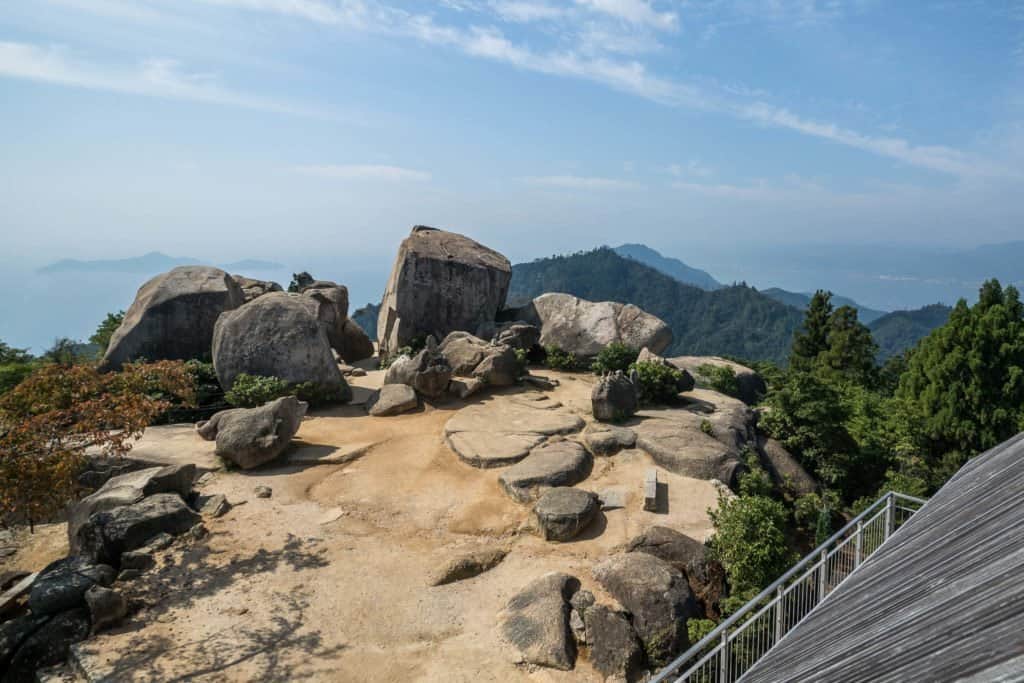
{"x":822,"y":572}
{"x":890,"y":517}
{"x":778,"y":615}
{"x":857,"y":544}
{"x":723,"y":659}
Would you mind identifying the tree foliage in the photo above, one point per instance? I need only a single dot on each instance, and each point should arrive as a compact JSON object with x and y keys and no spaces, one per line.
{"x":50,"y":420}
{"x":750,"y":540}
{"x":105,"y":330}
{"x":615,"y":356}
{"x":658,"y":384}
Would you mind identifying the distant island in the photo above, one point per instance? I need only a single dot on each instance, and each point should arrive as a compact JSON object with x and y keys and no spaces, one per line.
{"x":153,"y":262}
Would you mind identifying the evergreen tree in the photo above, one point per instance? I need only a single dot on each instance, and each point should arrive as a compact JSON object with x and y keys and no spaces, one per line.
{"x":849,"y":350}
{"x":812,"y":338}
{"x":106,"y":329}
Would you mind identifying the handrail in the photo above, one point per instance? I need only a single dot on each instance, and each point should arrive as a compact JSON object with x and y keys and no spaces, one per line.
{"x":814,"y":557}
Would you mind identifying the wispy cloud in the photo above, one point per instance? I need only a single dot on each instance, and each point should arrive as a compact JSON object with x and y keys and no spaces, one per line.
{"x":633,"y":11}
{"x":573,"y":182}
{"x":163,"y":78}
{"x":393,"y":174}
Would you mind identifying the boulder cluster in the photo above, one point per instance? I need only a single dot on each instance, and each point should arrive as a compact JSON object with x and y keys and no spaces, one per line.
{"x":114,"y":535}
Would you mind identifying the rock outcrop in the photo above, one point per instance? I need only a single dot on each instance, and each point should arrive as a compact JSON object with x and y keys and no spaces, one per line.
{"x":470,"y":356}
{"x":586,"y":327}
{"x":254,"y":288}
{"x":614,"y":648}
{"x":276,"y":335}
{"x":750,"y":386}
{"x":441,"y":282}
{"x":614,"y":398}
{"x":536,"y":622}
{"x":604,"y":440}
{"x":785,"y":470}
{"x":62,"y":584}
{"x":106,"y":535}
{"x":467,"y":566}
{"x":250,"y":437}
{"x":173,"y":316}
{"x":658,"y":597}
{"x":428,"y":372}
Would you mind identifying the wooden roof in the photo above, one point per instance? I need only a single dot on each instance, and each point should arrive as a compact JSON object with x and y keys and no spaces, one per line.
{"x":941,"y":600}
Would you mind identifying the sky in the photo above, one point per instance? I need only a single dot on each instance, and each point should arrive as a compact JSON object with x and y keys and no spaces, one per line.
{"x":317,"y":132}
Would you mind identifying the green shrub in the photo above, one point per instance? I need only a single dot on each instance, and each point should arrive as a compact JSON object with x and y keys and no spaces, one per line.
{"x":658,"y":383}
{"x":750,"y":540}
{"x":209,"y":396}
{"x":250,"y":391}
{"x":707,"y":428}
{"x":522,"y":360}
{"x":557,"y":359}
{"x":317,"y":395}
{"x":615,"y":356}
{"x":720,"y":378}
{"x":11,"y":375}
{"x":698,"y":628}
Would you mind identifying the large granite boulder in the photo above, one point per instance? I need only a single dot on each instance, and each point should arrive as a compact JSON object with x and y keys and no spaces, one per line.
{"x":750,"y":386}
{"x":536,"y":622}
{"x":441,"y":282}
{"x":557,"y":463}
{"x":126,"y":489}
{"x":614,"y":648}
{"x":705,"y":575}
{"x":355,"y":345}
{"x":250,"y":437}
{"x":657,"y":595}
{"x":614,"y":398}
{"x":563,"y":512}
{"x":62,"y":584}
{"x":173,"y":316}
{"x":254,"y":288}
{"x":428,"y":372}
{"x":276,"y":335}
{"x":586,"y":327}
{"x":47,"y":645}
{"x":785,"y":470}
{"x":106,"y":535}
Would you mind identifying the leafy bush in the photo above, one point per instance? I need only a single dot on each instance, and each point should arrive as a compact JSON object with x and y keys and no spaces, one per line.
{"x":522,"y":360}
{"x":720,"y":378}
{"x":317,"y":395}
{"x":12,"y":374}
{"x":698,"y":628}
{"x":750,"y":540}
{"x":250,"y":391}
{"x":615,"y":356}
{"x":659,"y":383}
{"x":101,"y":337}
{"x":557,"y":359}
{"x":54,"y":415}
{"x":209,"y":396}
{"x":707,"y":428}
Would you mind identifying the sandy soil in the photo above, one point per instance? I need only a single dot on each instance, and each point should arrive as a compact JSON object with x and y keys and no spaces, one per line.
{"x":327,"y":579}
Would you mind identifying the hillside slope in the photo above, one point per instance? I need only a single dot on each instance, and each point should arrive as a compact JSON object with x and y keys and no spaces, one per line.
{"x":801,"y":300}
{"x":735,"y":321}
{"x":901,"y":330}
{"x":672,"y":267}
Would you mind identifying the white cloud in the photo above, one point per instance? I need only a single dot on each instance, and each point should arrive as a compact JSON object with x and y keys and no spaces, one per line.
{"x":394,"y":174}
{"x":163,"y":78}
{"x":691,"y":168}
{"x":573,"y":182}
{"x":527,"y":11}
{"x":633,"y":11}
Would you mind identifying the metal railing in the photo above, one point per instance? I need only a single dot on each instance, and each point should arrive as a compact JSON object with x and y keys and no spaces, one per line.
{"x":725,"y":654}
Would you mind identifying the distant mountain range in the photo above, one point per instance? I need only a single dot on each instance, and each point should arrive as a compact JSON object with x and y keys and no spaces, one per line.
{"x":901,"y":330}
{"x":153,"y":262}
{"x":735,"y":321}
{"x":801,"y":300}
{"x":672,"y":267}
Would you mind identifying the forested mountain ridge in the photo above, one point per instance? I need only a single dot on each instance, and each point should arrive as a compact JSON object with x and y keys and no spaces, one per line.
{"x":735,"y":321}
{"x":801,"y":300}
{"x":900,"y":330}
{"x":672,"y":267}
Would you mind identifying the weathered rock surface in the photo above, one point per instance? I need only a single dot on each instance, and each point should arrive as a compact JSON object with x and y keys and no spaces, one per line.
{"x":614,"y":398}
{"x":250,"y":437}
{"x":605,"y":440}
{"x":586,"y":327}
{"x":355,"y":344}
{"x":254,"y":288}
{"x":126,"y":489}
{"x":503,"y":430}
{"x":464,"y":387}
{"x":108,"y":534}
{"x":750,"y":384}
{"x":48,"y":645}
{"x":658,"y":597}
{"x":441,"y":282}
{"x":536,"y":622}
{"x":518,"y":335}
{"x":428,"y":372}
{"x":328,"y":302}
{"x":785,"y":470}
{"x":470,"y":356}
{"x":467,"y":566}
{"x":62,"y":584}
{"x":705,"y":576}
{"x":563,"y":512}
{"x":173,"y":316}
{"x":215,"y":505}
{"x":614,"y":647}
{"x":14,"y":632}
{"x":558,"y":463}
{"x":106,"y":607}
{"x":275,"y":335}
{"x":703,"y":439}
{"x":393,"y":399}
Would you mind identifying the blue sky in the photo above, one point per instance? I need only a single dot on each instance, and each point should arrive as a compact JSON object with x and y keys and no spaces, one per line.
{"x":319,"y":131}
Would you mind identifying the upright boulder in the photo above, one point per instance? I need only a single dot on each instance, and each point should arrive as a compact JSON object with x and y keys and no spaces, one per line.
{"x":254,"y":288}
{"x":441,"y":282}
{"x":536,"y":621}
{"x":250,"y":437}
{"x":173,"y":316}
{"x":614,"y":398}
{"x":276,"y":335}
{"x":586,"y":327}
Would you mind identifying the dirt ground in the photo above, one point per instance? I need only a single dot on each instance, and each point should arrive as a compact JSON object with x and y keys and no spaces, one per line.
{"x":328,"y":579}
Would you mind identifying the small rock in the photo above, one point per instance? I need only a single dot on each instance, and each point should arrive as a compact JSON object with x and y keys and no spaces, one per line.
{"x":393,"y":399}
{"x":357,"y":372}
{"x":161,"y":541}
{"x":582,"y":600}
{"x":204,"y":479}
{"x":562,"y":513}
{"x":465,"y":387}
{"x":546,"y":383}
{"x":614,"y":398}
{"x":467,"y":566}
{"x":216,"y":505}
{"x":263,"y":491}
{"x":199,"y":531}
{"x":579,"y":629}
{"x":106,"y":607}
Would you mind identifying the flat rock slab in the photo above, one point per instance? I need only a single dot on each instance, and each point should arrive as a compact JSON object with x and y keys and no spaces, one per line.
{"x":562,"y":513}
{"x":504,"y":430}
{"x":602,"y":440}
{"x":559,"y":463}
{"x":175,"y":444}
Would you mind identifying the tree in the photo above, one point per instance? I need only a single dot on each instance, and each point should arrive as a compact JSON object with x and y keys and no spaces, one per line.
{"x":65,"y":351}
{"x":964,"y":384}
{"x":50,"y":420}
{"x":300,"y":281}
{"x":812,"y":337}
{"x":750,"y":540}
{"x":9,"y":355}
{"x":849,"y":351}
{"x":15,"y":365}
{"x":106,"y":329}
